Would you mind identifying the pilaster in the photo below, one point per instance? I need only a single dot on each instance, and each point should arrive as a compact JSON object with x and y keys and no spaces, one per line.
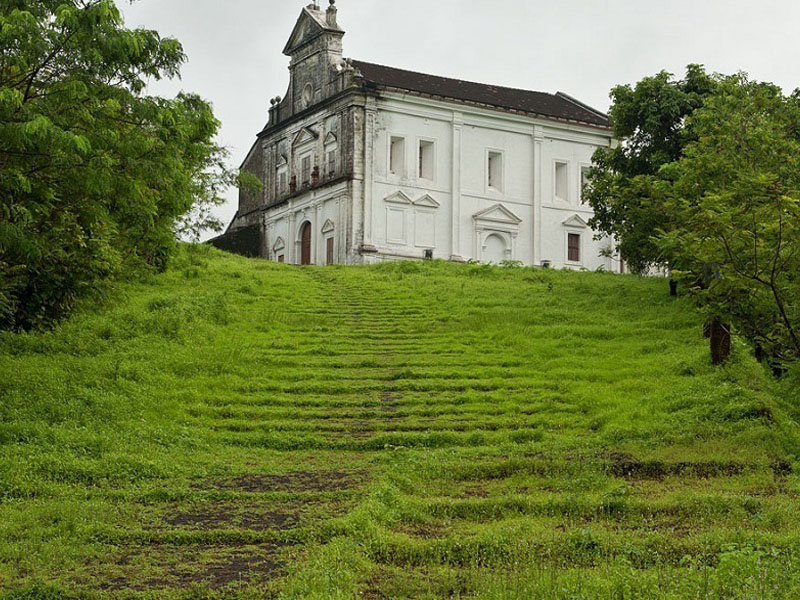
{"x":455,"y":204}
{"x":371,"y":113}
{"x":538,"y":145}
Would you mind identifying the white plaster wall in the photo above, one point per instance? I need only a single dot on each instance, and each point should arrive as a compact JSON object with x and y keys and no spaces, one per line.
{"x":463,"y":137}
{"x":423,"y":220}
{"x":576,"y":151}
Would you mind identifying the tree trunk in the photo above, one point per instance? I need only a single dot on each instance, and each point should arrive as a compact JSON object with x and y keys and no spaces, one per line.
{"x":720,"y":342}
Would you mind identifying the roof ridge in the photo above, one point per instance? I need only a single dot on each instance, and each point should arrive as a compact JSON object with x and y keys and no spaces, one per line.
{"x":493,"y":85}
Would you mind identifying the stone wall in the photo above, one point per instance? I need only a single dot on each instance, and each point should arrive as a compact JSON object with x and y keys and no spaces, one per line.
{"x":246,"y":241}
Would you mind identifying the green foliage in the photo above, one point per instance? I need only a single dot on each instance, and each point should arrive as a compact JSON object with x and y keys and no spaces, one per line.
{"x":245,"y":430}
{"x":735,"y":197}
{"x":95,"y":176}
{"x":649,"y":120}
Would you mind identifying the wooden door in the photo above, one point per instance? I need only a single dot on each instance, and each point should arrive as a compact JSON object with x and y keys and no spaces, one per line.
{"x":329,"y":248}
{"x":305,"y":245}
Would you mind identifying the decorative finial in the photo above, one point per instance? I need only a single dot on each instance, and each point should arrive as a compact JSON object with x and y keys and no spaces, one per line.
{"x":331,"y":16}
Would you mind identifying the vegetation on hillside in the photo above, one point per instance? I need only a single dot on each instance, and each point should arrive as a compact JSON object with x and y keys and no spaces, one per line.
{"x":243,"y":429}
{"x":96,"y":177}
{"x":706,"y":180}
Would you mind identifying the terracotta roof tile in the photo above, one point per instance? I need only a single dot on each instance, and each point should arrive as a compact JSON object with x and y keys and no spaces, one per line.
{"x":558,"y":106}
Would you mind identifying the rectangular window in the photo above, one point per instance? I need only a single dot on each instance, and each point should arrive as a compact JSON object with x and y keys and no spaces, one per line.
{"x":331,"y":163}
{"x":329,"y":251}
{"x":426,"y":158}
{"x":281,"y":258}
{"x":562,"y":181}
{"x":584,"y":183}
{"x":495,"y":169}
{"x":283,"y":182}
{"x":574,"y":248}
{"x":397,"y":156}
{"x":306,"y":171}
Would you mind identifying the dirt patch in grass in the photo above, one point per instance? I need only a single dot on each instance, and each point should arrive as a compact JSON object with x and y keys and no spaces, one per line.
{"x":426,"y":532}
{"x":149,"y":568}
{"x":782,"y":468}
{"x":475,"y":490}
{"x":297,"y":481}
{"x":627,"y":467}
{"x":249,"y":516}
{"x":217,"y":516}
{"x":389,"y":401}
{"x":389,"y":584}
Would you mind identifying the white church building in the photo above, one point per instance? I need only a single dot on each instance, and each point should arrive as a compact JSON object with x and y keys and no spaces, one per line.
{"x":362,"y":163}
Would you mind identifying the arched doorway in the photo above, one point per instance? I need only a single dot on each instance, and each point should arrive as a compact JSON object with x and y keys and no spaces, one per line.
{"x":495,"y":249}
{"x":305,"y":244}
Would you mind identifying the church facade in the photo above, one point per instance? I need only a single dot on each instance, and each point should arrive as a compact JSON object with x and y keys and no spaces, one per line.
{"x":363,"y":163}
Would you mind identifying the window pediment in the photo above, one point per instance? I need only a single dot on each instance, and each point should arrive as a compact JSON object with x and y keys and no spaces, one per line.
{"x":398,"y":198}
{"x":427,"y":201}
{"x":330,"y":140}
{"x":328,"y":227}
{"x":498,"y":214}
{"x":280,"y":244}
{"x":576,"y":221}
{"x":305,"y":136}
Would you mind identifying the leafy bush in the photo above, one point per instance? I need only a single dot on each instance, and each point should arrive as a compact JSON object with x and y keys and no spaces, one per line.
{"x":97,"y":177}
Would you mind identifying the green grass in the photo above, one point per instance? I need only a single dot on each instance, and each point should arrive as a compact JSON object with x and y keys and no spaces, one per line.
{"x":241,"y":429}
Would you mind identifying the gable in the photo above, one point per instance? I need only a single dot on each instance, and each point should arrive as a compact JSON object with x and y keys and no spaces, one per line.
{"x":576,"y":221}
{"x":497,"y":214}
{"x":305,"y":136}
{"x":398,"y":198}
{"x":310,"y":25}
{"x":427,"y":201}
{"x":306,"y":29}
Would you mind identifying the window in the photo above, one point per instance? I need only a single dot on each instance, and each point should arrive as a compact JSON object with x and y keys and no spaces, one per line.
{"x":397,"y":156}
{"x":281,"y":258}
{"x":584,"y":183}
{"x":495,"y":171}
{"x":283,"y":181}
{"x":331,"y":163}
{"x":562,"y":181}
{"x":574,"y":248}
{"x":426,"y":158}
{"x":306,"y":170}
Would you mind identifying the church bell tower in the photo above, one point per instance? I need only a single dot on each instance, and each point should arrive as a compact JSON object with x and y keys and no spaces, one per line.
{"x":315,"y":49}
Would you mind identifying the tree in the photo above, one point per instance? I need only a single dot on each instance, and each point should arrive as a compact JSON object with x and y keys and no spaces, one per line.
{"x":649,"y":120}
{"x":734,"y":197}
{"x":95,"y":176}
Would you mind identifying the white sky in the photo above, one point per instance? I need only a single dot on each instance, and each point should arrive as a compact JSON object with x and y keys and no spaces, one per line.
{"x":581,"y":47}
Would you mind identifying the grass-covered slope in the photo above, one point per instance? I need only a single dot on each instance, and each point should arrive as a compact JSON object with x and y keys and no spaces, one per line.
{"x":242,"y":429}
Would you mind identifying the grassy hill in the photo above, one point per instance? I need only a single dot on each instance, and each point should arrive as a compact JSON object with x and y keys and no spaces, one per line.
{"x":242,"y":429}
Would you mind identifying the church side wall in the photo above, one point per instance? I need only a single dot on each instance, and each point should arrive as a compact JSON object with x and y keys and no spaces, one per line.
{"x":493,"y":191}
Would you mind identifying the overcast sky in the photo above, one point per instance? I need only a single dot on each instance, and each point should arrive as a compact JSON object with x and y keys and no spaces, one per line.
{"x":581,"y":47}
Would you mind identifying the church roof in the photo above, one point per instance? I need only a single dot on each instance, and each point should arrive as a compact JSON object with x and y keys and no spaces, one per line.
{"x":557,"y":106}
